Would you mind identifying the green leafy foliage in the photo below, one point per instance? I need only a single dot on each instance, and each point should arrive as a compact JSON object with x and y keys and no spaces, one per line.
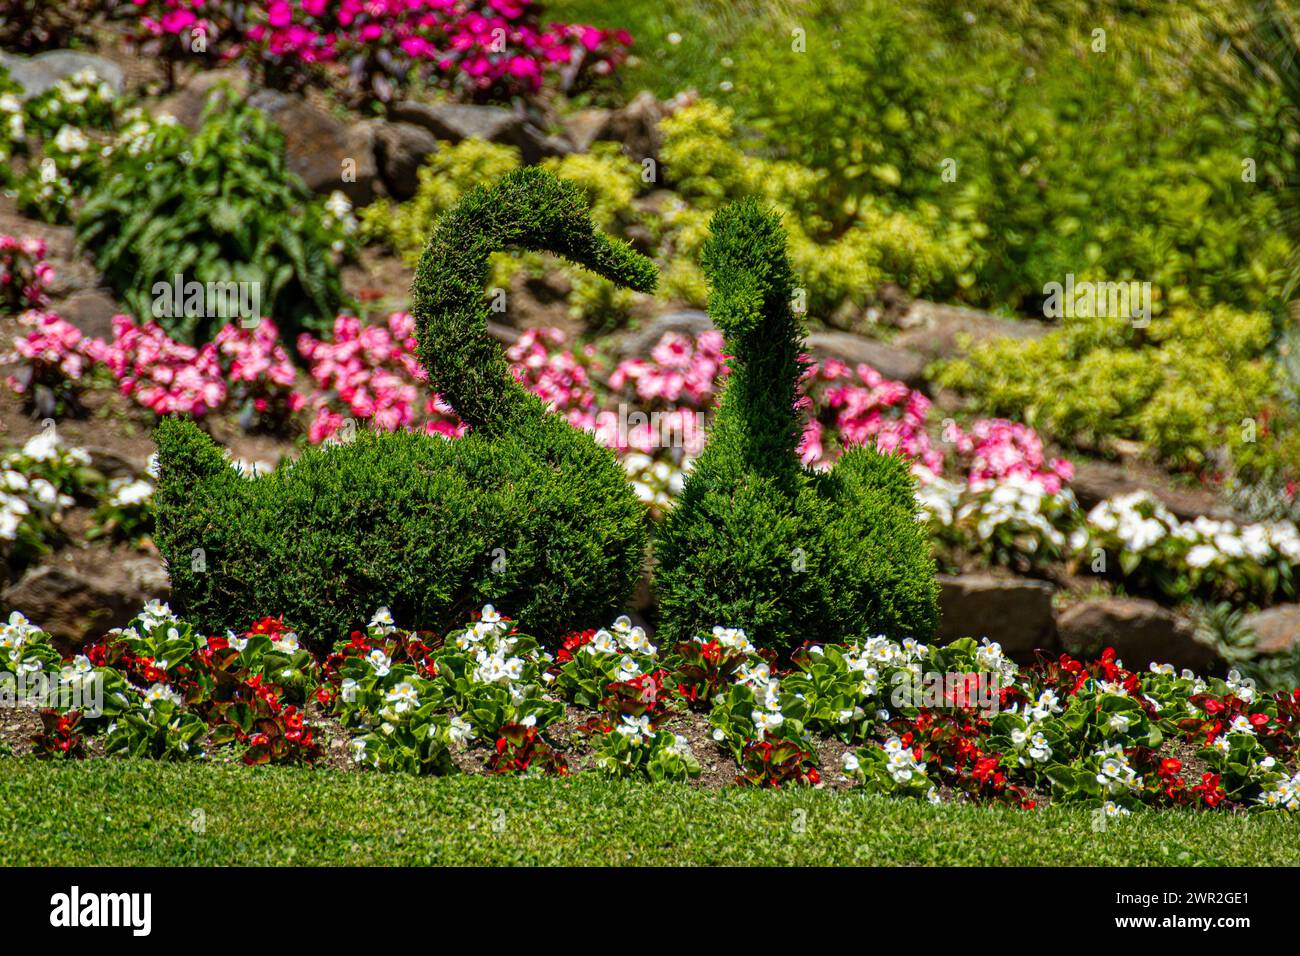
{"x":757,"y":541}
{"x":1182,"y":385}
{"x":218,"y":205}
{"x":524,"y":510}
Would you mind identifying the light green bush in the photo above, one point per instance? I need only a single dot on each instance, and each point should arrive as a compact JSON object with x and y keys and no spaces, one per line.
{"x":1182,"y":386}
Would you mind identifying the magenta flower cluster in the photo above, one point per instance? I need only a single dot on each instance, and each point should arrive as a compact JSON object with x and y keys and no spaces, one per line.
{"x":53,"y":352}
{"x":496,"y":48}
{"x":369,"y":374}
{"x":165,"y":376}
{"x":541,"y":363}
{"x":861,"y":406}
{"x":24,"y":273}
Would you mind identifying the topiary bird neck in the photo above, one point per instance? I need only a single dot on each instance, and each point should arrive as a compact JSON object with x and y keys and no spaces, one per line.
{"x":528,"y":209}
{"x":751,"y":285}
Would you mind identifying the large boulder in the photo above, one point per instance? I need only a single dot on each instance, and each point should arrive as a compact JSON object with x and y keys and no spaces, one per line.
{"x":187,"y":104}
{"x":1141,"y":632}
{"x":326,"y":152}
{"x":91,"y":311}
{"x":641,"y":341}
{"x":74,"y":604}
{"x":454,"y":122}
{"x":1277,"y":630}
{"x":1096,"y":481}
{"x":40,"y":73}
{"x":938,"y":331}
{"x":400,"y":151}
{"x":634,"y":126}
{"x":890,"y":361}
{"x":1014,"y":612}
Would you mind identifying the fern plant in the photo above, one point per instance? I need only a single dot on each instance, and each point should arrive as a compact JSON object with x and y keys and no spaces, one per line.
{"x":219,"y":205}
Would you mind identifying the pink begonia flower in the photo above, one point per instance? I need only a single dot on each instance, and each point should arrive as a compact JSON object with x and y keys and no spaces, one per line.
{"x":279,"y":14}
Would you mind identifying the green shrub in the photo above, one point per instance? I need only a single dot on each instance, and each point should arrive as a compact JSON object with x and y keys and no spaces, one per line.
{"x":1182,"y":386}
{"x":524,"y":511}
{"x":703,"y":157}
{"x":1125,"y":160}
{"x":217,"y":205}
{"x":758,"y":541}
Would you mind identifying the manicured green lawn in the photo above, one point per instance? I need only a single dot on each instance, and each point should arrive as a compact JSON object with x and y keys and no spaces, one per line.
{"x":124,"y":813}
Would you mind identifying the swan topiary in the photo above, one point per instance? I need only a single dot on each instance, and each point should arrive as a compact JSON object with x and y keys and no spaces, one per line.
{"x":757,"y":540}
{"x":525,"y":510}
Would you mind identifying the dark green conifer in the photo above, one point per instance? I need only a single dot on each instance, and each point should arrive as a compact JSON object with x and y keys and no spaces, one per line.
{"x":525,"y":511}
{"x":757,"y":540}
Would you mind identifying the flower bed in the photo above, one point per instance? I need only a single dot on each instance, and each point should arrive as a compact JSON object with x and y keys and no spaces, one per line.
{"x":959,"y":722}
{"x":987,"y":489}
{"x":489,"y":50}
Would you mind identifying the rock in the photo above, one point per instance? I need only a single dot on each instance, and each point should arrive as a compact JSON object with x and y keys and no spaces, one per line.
{"x":1277,"y":630}
{"x":91,"y":311}
{"x":586,"y":126}
{"x":1095,"y":481}
{"x":72,"y":271}
{"x":114,"y":464}
{"x":316,"y":143}
{"x":887,"y":359}
{"x":454,"y":122}
{"x":187,"y":105}
{"x":74,"y":605}
{"x":325,"y":152}
{"x":636,"y":127}
{"x":400,"y":151}
{"x":40,"y":73}
{"x":933,"y":330}
{"x":1014,"y":612}
{"x":1140,"y":631}
{"x":640,"y":342}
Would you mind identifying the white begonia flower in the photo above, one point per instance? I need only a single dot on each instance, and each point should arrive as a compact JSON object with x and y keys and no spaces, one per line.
{"x":628,"y":668}
{"x":160,"y":692}
{"x":603,"y":643}
{"x":635,"y":729}
{"x":379,"y":662}
{"x":766,"y":720}
{"x":131,"y":493}
{"x":382,"y":621}
{"x":460,"y":730}
{"x":1241,"y":725}
{"x":403,"y":697}
{"x":286,"y":643}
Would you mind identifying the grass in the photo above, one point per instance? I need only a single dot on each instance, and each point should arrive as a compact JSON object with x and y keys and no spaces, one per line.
{"x":118,"y":812}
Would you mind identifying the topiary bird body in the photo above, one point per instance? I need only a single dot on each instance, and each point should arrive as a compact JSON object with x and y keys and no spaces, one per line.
{"x":524,"y":510}
{"x":757,"y":540}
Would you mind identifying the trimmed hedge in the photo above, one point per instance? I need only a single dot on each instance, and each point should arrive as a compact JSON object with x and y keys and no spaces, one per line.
{"x":757,"y":540}
{"x":525,"y":511}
